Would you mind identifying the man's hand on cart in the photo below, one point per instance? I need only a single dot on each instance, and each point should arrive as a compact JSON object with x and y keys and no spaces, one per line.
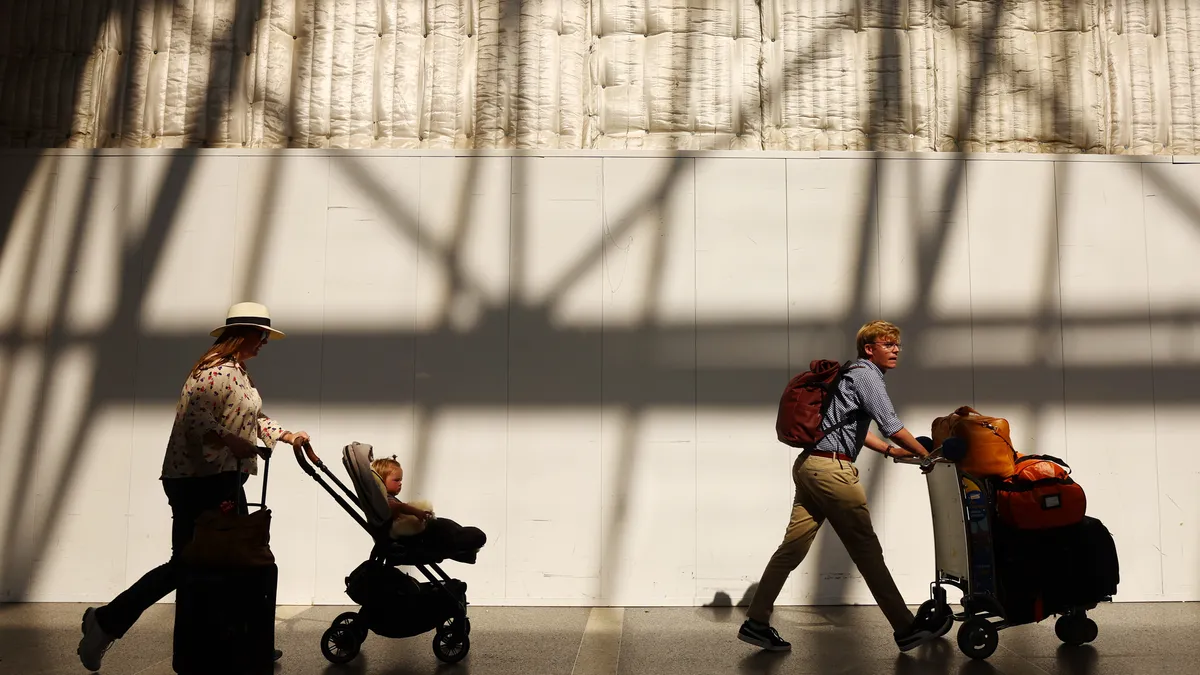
{"x":926,"y":463}
{"x":952,"y":450}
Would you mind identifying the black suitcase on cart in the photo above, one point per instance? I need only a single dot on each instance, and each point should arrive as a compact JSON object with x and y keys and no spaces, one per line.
{"x":1045,"y":572}
{"x":225,"y":617}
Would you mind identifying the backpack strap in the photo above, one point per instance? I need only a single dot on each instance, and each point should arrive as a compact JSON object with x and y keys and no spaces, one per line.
{"x":835,"y":390}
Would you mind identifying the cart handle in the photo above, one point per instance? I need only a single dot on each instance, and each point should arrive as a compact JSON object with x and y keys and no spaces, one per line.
{"x":925,"y":463}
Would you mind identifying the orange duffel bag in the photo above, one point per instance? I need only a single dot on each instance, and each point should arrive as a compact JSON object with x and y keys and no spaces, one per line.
{"x":1040,"y":495}
{"x":990,"y":450}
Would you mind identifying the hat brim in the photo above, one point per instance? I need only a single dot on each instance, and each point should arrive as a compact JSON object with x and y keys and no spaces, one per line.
{"x":275,"y":334}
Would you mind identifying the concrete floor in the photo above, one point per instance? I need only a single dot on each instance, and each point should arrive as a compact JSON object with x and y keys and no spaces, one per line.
{"x":1135,"y":639}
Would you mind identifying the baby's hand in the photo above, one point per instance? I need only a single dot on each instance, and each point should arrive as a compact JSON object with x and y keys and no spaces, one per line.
{"x":426,"y":515}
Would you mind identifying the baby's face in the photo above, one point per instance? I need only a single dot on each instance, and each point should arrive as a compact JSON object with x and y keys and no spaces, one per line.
{"x":393,"y":482}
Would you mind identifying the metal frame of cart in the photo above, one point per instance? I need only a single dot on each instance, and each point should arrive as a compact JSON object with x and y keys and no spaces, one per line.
{"x":964,"y":557}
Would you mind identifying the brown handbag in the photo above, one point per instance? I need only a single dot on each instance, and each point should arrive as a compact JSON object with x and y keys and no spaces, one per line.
{"x":225,"y":538}
{"x":990,"y":450}
{"x":231,"y":540}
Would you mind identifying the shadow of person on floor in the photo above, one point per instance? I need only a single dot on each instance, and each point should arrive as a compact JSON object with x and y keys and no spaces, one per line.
{"x":722,"y":603}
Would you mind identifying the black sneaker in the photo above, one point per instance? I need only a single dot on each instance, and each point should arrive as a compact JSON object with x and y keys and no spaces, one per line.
{"x":762,"y":635}
{"x":922,"y":631}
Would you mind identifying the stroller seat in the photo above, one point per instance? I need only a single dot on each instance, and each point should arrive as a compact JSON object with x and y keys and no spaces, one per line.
{"x":372,"y":499}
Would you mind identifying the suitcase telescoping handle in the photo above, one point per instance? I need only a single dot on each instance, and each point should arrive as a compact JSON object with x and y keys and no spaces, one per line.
{"x":265,"y":453}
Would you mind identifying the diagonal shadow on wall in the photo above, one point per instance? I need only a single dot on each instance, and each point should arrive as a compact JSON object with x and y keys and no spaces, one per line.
{"x":744,"y":385}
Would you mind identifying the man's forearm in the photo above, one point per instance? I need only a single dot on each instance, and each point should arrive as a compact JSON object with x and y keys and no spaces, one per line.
{"x":876,"y":443}
{"x":905,"y":440}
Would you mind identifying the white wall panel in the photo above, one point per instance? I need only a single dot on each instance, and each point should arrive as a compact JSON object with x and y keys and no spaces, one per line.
{"x":1016,"y":325}
{"x":91,"y":455}
{"x":28,"y":242}
{"x":554,"y":383}
{"x":1172,"y":238}
{"x":462,"y":354}
{"x":741,"y":278}
{"x":370,"y":280}
{"x":1102,"y":244}
{"x":280,"y":258}
{"x":833,"y":272}
{"x":649,"y":449}
{"x":924,"y":281}
{"x":204,"y":214}
{"x":583,"y":355}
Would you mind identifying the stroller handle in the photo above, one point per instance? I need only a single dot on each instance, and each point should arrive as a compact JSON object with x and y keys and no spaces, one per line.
{"x":303,"y":461}
{"x":312,"y":457}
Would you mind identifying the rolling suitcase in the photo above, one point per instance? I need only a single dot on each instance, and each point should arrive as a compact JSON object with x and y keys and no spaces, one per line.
{"x":225,"y":615}
{"x":225,"y":621}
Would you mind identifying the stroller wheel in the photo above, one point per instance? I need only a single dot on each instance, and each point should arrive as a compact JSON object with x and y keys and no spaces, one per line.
{"x":450,"y":645}
{"x":340,"y":644}
{"x":453,"y":622}
{"x":353,"y":621}
{"x":1075,"y":629}
{"x":977,"y":638}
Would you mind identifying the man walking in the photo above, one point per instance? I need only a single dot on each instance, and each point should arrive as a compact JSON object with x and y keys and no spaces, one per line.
{"x":827,"y":488}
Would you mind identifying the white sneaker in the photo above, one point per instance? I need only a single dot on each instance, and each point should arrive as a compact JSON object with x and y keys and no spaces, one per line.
{"x":94,"y":643}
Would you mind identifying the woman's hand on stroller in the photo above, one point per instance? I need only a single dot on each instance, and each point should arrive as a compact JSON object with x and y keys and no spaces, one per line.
{"x":295,"y":439}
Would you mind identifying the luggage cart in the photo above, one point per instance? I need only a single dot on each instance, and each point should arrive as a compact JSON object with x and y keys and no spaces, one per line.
{"x":964,"y":519}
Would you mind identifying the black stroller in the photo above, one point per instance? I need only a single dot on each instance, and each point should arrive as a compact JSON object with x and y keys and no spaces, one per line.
{"x":393,"y":604}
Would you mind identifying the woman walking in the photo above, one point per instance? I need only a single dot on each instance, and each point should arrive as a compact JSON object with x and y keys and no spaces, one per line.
{"x":212,"y":450}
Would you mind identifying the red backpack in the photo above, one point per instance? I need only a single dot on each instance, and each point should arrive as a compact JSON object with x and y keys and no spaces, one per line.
{"x":804,"y":402}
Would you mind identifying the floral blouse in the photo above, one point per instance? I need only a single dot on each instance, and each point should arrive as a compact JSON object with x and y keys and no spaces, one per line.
{"x":217,"y":399}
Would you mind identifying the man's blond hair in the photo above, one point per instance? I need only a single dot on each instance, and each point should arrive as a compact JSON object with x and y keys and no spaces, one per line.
{"x":876,"y":331}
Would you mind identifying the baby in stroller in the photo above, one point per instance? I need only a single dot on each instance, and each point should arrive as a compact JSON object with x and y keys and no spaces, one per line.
{"x":441,"y":536}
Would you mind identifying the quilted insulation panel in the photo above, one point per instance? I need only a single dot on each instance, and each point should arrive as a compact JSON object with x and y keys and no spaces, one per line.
{"x":1098,"y":76}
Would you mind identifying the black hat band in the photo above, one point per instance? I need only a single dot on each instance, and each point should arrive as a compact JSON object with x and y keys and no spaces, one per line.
{"x":256,"y":320}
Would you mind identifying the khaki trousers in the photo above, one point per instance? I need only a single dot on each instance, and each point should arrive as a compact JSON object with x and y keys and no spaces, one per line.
{"x":828,"y":489}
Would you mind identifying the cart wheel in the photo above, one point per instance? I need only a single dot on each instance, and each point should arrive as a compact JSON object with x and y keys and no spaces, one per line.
{"x":450,"y":645}
{"x":931,"y":613}
{"x":977,"y":638}
{"x":340,"y":644}
{"x":1075,"y":629}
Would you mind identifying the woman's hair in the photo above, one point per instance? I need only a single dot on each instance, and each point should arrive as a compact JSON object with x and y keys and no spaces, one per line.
{"x":230,"y":342}
{"x":384,"y":467}
{"x":874,"y":331}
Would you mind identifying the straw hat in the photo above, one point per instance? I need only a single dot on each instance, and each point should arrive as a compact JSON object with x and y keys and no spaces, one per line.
{"x":248,"y":314}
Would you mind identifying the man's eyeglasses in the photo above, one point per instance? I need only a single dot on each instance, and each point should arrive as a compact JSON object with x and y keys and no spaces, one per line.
{"x":890,"y":345}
